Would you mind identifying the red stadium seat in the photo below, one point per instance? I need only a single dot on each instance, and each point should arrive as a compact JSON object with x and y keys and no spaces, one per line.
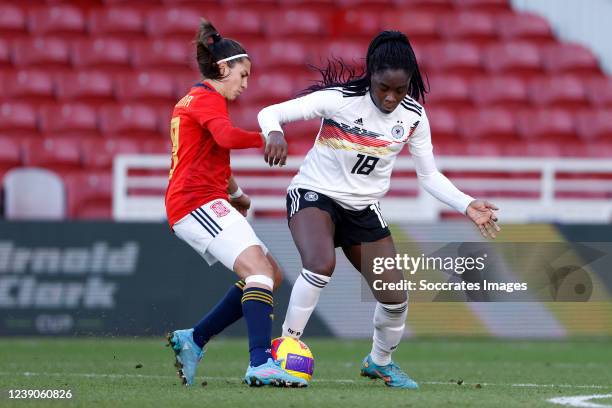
{"x":280,"y":54}
{"x":174,"y":22}
{"x":294,"y":23}
{"x":99,"y":153}
{"x":5,"y":54}
{"x":483,"y":5}
{"x":595,"y":125}
{"x":421,"y":27}
{"x":69,"y":120}
{"x":476,"y":27}
{"x":559,"y":92}
{"x":101,"y":53}
{"x":489,"y":125}
{"x":352,"y":52}
{"x":204,"y":4}
{"x":85,"y":86}
{"x":525,"y":26}
{"x":319,"y":6}
{"x":436,"y":6}
{"x":10,"y":153}
{"x":157,"y":146}
{"x":251,"y":22}
{"x":368,"y":5}
{"x":167,"y":54}
{"x":153,"y":88}
{"x":448,"y":91}
{"x":357,"y":23}
{"x":272,"y":88}
{"x":117,"y":20}
{"x":58,"y":154}
{"x":12,"y":20}
{"x":47,"y":52}
{"x":515,"y":58}
{"x":533,"y":149}
{"x":591,"y":149}
{"x":458,"y":58}
{"x":56,"y":19}
{"x":33,"y":86}
{"x":89,"y":194}
{"x":133,"y":120}
{"x":500,"y":91}
{"x":570,"y":58}
{"x":17,"y":119}
{"x":184,"y":82}
{"x":245,"y":116}
{"x":555,"y":125}
{"x":599,"y":92}
{"x":443,"y":125}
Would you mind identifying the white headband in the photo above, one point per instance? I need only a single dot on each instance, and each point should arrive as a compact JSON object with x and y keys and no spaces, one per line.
{"x":232,"y":58}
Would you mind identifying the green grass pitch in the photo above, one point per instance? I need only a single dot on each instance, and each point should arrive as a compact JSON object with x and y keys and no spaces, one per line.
{"x":139,"y":372}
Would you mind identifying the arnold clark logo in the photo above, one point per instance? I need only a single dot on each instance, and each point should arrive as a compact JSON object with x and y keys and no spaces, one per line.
{"x":63,"y":277}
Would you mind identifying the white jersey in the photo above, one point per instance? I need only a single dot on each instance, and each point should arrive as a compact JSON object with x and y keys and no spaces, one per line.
{"x":357,"y":144}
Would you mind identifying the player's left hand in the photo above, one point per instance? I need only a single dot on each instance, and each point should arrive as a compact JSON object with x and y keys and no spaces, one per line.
{"x":482,"y":213}
{"x":242,"y":204}
{"x":276,"y":149}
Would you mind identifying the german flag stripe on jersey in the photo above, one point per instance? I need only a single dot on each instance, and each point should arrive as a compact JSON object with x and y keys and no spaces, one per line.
{"x":332,"y":130}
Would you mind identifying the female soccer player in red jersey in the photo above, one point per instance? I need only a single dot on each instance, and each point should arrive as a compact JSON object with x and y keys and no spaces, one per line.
{"x":333,"y":200}
{"x":200,"y":214}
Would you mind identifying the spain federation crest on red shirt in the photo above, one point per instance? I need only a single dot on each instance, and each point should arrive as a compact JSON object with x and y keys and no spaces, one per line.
{"x":219,"y":209}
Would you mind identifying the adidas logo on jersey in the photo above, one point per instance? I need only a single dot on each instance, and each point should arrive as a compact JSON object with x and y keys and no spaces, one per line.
{"x":359,"y":122}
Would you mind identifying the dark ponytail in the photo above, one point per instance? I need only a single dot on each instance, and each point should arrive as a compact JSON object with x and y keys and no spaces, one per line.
{"x":211,"y":47}
{"x":388,"y":50}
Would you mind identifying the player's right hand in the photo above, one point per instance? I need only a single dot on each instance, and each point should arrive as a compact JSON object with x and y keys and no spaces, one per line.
{"x":276,"y":149}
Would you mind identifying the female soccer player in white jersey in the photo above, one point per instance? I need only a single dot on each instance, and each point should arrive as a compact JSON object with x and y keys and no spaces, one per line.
{"x":200,"y":203}
{"x":333,"y":200}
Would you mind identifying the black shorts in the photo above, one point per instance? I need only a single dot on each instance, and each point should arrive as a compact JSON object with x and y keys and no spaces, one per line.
{"x":352,"y":227}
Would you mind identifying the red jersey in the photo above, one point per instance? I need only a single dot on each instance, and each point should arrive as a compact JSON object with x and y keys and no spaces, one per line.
{"x":202,"y":136}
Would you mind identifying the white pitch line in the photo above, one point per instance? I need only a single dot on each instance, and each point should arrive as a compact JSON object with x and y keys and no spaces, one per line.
{"x":582,"y":401}
{"x":339,"y":380}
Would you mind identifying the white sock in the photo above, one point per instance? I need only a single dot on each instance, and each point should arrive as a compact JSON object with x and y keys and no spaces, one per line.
{"x":389,"y":323}
{"x":304,"y":297}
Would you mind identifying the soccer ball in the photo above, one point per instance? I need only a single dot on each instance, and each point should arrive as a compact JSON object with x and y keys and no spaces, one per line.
{"x":295,"y":356}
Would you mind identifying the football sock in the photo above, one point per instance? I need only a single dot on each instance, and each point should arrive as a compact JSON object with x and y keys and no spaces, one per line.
{"x":224,"y":314}
{"x":304,"y":298}
{"x":257,"y":310}
{"x":389,"y":323}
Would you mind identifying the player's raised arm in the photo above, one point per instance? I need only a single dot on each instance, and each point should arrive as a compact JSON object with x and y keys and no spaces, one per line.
{"x":319,"y":104}
{"x":437,"y":184}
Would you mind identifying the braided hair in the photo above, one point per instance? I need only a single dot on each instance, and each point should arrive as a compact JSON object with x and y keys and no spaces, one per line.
{"x":388,"y":50}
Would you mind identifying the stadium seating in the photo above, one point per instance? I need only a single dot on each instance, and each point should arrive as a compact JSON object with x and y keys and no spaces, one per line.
{"x":41,"y":51}
{"x":12,"y":20}
{"x":83,"y":81}
{"x":524,"y":26}
{"x":18,"y":119}
{"x":120,"y":21}
{"x":89,"y":194}
{"x":56,"y":20}
{"x":58,"y":154}
{"x":66,"y":120}
{"x":94,"y":87}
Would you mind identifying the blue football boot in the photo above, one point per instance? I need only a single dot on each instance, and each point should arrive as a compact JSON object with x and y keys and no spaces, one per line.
{"x":391,"y":374}
{"x":271,"y":373}
{"x":187,"y":353}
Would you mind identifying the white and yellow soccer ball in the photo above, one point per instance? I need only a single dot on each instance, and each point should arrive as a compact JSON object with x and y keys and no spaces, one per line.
{"x":295,"y":356}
